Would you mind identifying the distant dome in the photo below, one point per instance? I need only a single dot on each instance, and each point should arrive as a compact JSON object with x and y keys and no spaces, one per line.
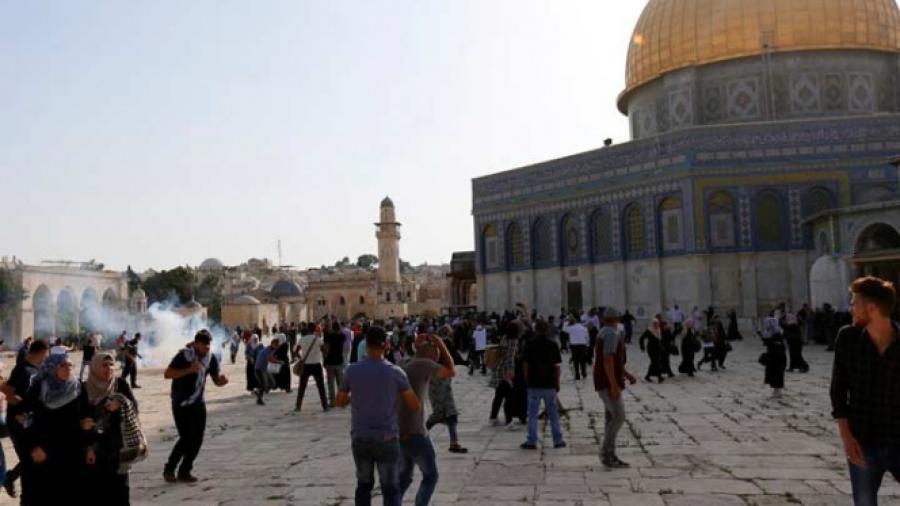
{"x":212,"y":264}
{"x":246,"y":300}
{"x":193,"y":304}
{"x":286,"y":288}
{"x":387,"y":202}
{"x":139,"y":295}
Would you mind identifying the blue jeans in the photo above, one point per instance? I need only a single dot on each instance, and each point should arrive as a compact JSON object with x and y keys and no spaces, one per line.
{"x":548,"y":395}
{"x":369,"y":453}
{"x":418,"y":452}
{"x":867,"y":480}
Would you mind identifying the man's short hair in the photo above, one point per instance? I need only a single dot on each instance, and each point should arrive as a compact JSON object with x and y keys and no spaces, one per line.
{"x":203,"y":336}
{"x":376,"y":336}
{"x":876,"y":291}
{"x":541,"y":328}
{"x":38,"y":346}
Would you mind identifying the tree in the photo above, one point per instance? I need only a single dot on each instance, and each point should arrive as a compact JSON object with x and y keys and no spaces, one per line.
{"x":344,"y":262}
{"x":209,"y":293}
{"x":134,"y":281}
{"x":164,"y":285}
{"x":405,"y":266}
{"x":366,"y":261}
{"x":11,"y":294}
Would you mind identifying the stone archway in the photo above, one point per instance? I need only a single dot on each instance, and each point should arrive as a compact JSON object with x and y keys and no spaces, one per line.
{"x":876,"y":252}
{"x":44,"y":314}
{"x":66,"y":313}
{"x":90,"y":310}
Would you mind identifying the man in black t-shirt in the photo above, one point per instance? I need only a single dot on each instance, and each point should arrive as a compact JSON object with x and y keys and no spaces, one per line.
{"x":129,"y":357}
{"x":188,"y":371}
{"x":334,"y":360}
{"x":16,"y":389}
{"x":542,"y":367}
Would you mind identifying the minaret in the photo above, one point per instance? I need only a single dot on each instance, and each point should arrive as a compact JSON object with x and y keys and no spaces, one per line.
{"x":388,"y":235}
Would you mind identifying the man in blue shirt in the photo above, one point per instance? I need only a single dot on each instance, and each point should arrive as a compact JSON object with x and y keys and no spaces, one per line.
{"x":371,"y":388}
{"x":264,"y":380}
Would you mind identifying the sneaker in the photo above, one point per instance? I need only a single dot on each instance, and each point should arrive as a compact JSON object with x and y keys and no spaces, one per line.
{"x":513,"y":425}
{"x":615,"y":463}
{"x":169,"y":477}
{"x":260,"y":402}
{"x":135,"y":386}
{"x":528,"y":446}
{"x":619,"y":463}
{"x":187,"y":478}
{"x":495,"y":423}
{"x":561,"y":444}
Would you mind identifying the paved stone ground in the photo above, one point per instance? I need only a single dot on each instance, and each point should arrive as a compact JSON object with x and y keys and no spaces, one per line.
{"x":717,"y":439}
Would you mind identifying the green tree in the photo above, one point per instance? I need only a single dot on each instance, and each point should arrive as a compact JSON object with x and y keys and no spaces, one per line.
{"x":366,"y":261}
{"x":177,"y":282}
{"x":342,"y":262}
{"x":209,"y":293}
{"x":11,"y":294}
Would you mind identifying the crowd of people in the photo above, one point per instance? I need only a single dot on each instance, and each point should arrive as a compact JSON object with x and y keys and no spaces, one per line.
{"x":83,"y":431}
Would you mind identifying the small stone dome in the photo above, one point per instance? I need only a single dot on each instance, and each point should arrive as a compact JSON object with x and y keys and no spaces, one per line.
{"x":193,"y":304}
{"x":286,"y":288}
{"x":212,"y":264}
{"x":387,"y":202}
{"x":246,"y":300}
{"x":139,"y":294}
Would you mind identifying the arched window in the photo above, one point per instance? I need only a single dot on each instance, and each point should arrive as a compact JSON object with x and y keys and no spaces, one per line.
{"x":816,"y":201}
{"x":670,"y":215}
{"x":387,"y":296}
{"x":721,"y":220}
{"x":635,"y":230}
{"x":342,"y":301}
{"x":570,"y":238}
{"x":601,"y":227}
{"x":540,"y":237}
{"x":490,"y":244}
{"x":362,"y":300}
{"x":515,"y":246}
{"x":770,"y":219}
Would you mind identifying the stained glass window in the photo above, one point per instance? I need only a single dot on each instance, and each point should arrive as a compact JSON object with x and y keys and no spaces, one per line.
{"x":490,"y":243}
{"x":542,"y":241}
{"x":635,"y":230}
{"x":602,"y":236}
{"x":570,"y":241}
{"x":515,"y":246}
{"x":769,"y":219}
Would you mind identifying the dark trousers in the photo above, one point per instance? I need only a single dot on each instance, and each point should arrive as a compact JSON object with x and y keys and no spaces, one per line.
{"x":580,"y":360}
{"x":503,"y":395}
{"x":22,"y":469}
{"x":190,"y":421}
{"x":372,"y":453}
{"x":866,"y":481}
{"x":130,"y":371}
{"x":476,"y":360}
{"x":314,"y":370}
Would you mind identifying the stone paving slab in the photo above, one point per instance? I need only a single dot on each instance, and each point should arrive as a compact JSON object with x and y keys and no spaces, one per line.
{"x":714,"y":440}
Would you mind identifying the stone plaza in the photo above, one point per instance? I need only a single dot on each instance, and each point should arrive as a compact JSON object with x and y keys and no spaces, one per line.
{"x":717,"y":439}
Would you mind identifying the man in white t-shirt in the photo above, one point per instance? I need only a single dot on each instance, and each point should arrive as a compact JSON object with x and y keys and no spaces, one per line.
{"x":310,"y":349}
{"x":578,"y":340}
{"x":677,"y":319}
{"x":479,"y":344}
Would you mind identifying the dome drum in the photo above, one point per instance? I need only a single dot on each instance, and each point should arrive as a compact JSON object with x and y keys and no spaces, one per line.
{"x":673,"y":35}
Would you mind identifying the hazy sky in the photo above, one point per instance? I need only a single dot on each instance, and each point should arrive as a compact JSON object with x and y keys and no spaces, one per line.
{"x":161,"y":133}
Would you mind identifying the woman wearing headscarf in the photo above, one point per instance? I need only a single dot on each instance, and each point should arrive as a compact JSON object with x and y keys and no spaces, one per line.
{"x":774,"y":358}
{"x":250,"y":358}
{"x":722,"y":346}
{"x":503,"y":377}
{"x":690,"y":345}
{"x":793,"y":334}
{"x":651,"y":342}
{"x":102,"y":402}
{"x":54,"y":436}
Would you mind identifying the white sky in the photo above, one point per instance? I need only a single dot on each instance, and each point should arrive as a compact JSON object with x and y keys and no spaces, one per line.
{"x":161,"y":133}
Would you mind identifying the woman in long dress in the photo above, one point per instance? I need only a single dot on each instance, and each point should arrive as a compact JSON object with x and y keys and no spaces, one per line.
{"x":775,"y":358}
{"x":250,"y":350}
{"x":690,"y":345}
{"x":793,"y":334}
{"x":651,"y":342}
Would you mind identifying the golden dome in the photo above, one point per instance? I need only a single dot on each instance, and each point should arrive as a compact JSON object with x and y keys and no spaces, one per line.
{"x":674,"y":34}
